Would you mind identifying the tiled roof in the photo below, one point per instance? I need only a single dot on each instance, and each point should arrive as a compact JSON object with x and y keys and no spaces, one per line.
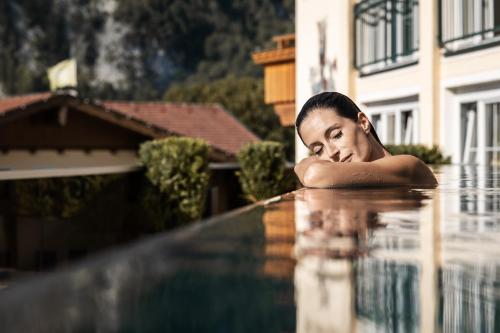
{"x":210,"y":122}
{"x":15,"y":102}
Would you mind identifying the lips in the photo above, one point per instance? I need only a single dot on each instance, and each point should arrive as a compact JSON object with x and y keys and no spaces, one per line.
{"x":347,"y":158}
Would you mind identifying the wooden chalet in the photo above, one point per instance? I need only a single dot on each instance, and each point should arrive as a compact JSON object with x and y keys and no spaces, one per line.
{"x":51,"y":131}
{"x":56,"y":134}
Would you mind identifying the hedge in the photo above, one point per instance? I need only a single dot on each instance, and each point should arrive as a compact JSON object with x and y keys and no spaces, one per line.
{"x":57,"y":197}
{"x":263,"y":173}
{"x":178,"y":167}
{"x":430,"y":155}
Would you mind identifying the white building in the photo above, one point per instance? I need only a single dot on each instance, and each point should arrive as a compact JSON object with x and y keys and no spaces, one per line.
{"x":424,"y":71}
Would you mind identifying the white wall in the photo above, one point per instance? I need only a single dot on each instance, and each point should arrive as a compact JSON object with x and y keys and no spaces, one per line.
{"x":337,"y":17}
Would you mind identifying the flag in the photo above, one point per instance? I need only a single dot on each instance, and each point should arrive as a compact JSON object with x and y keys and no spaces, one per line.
{"x":63,"y":75}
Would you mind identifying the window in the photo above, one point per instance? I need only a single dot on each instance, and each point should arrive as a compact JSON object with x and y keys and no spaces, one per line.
{"x":469,"y":23}
{"x":386,"y":34}
{"x":376,"y":120}
{"x":395,"y":124}
{"x":492,"y":148}
{"x":480,"y":138}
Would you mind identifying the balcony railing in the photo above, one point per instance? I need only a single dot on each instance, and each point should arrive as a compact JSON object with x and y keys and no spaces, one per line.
{"x":386,"y":34}
{"x":468,"y":23}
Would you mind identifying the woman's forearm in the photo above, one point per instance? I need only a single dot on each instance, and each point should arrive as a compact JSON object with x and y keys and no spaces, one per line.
{"x":334,"y":174}
{"x":320,"y":175}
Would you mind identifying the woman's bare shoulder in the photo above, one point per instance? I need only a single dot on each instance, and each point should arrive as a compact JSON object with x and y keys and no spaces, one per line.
{"x":408,"y":166}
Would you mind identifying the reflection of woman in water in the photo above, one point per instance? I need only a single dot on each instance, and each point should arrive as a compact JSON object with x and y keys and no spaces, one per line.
{"x":336,"y":223}
{"x":335,"y":273}
{"x":346,"y":149}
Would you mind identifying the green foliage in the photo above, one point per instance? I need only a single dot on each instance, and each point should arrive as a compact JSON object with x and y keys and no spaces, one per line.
{"x":244,"y":97}
{"x":263,"y":170}
{"x":149,"y":43}
{"x":200,"y":39}
{"x":57,"y":197}
{"x":431,"y":155}
{"x":178,"y":167}
{"x":31,"y":42}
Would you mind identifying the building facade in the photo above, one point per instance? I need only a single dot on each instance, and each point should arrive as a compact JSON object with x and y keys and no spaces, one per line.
{"x":424,"y":71}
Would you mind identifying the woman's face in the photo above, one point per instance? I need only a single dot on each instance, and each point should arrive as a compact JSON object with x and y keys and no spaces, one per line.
{"x":335,"y":138}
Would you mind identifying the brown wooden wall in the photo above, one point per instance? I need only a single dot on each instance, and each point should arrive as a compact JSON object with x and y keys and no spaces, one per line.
{"x":279,"y":83}
{"x":42,"y":130}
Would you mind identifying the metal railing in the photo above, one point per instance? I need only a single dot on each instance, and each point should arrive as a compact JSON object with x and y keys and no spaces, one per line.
{"x":386,"y":33}
{"x":468,"y":23}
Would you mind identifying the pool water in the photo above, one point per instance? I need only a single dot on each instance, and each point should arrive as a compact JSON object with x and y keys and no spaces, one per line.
{"x":337,"y":260}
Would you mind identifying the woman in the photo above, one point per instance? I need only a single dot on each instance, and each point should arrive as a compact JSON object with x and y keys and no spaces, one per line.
{"x":346,"y":149}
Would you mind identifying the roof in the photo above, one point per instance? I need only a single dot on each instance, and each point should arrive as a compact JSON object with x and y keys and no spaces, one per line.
{"x":210,"y":122}
{"x":9,"y":103}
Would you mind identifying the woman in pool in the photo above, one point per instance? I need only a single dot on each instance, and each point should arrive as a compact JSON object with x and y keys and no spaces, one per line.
{"x":346,"y":149}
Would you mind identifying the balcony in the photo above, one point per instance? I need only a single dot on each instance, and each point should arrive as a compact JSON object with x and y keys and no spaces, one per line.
{"x":386,"y":34}
{"x":468,"y":25}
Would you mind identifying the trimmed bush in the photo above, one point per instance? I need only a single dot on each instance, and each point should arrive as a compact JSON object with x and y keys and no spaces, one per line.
{"x":431,"y":155}
{"x":57,"y":197}
{"x":178,"y":167}
{"x":263,"y":172}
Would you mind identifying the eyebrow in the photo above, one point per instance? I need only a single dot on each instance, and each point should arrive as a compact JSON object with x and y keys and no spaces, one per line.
{"x":327,"y":134}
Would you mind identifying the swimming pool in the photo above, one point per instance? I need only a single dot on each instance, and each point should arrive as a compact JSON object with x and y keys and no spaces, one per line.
{"x":344,"y":260}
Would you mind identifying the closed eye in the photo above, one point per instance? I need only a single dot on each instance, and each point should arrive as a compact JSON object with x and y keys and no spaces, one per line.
{"x":338,"y":135}
{"x":318,"y":151}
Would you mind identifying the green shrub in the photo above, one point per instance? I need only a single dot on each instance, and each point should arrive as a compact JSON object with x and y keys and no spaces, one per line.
{"x":178,"y":167}
{"x":57,"y":197}
{"x":263,"y":172}
{"x":431,"y":155}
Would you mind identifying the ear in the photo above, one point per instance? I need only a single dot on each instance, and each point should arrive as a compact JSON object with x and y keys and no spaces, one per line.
{"x":364,"y":122}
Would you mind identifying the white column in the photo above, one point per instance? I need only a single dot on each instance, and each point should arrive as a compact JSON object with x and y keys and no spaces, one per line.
{"x":429,"y":62}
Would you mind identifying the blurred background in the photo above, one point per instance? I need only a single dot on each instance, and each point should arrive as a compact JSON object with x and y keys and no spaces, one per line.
{"x":180,"y":51}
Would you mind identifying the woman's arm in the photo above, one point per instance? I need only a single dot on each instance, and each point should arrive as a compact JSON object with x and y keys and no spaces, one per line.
{"x":392,"y":170}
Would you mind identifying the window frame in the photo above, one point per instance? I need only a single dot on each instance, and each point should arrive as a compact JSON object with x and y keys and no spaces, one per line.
{"x":388,"y":48}
{"x":453,"y":38}
{"x":397,"y":109}
{"x":481,"y":98}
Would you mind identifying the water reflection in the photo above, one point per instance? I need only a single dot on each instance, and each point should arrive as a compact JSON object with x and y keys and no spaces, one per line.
{"x":363,"y":260}
{"x":469,"y":265}
{"x":335,"y":273}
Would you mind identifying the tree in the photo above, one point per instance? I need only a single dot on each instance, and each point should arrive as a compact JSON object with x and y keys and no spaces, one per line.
{"x":196,"y":40}
{"x":30,"y":42}
{"x":150,"y":43}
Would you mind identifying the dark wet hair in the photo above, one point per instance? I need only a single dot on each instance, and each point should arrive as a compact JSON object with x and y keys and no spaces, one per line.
{"x":335,"y":101}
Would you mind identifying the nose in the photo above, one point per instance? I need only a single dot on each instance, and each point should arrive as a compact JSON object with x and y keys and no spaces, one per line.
{"x":333,"y":153}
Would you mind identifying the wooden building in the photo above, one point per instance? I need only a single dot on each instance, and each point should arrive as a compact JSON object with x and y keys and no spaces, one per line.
{"x":57,"y":134}
{"x":279,"y":77}
{"x":51,"y":130}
